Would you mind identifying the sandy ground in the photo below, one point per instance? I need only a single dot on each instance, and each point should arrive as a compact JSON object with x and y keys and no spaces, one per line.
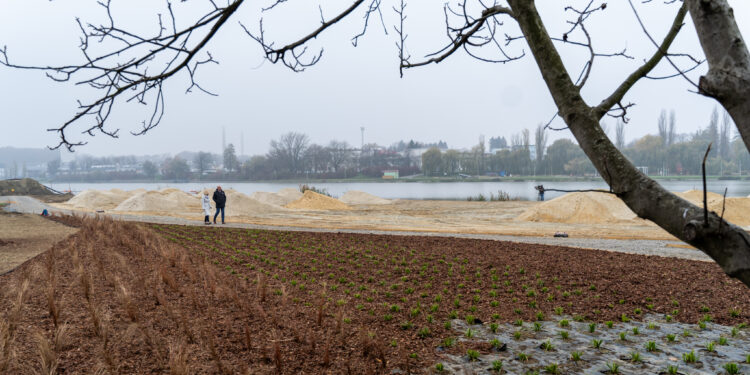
{"x":434,"y":216}
{"x":481,"y":220}
{"x":25,"y":236}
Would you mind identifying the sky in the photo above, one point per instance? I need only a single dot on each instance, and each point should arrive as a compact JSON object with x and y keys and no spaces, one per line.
{"x":455,"y":101}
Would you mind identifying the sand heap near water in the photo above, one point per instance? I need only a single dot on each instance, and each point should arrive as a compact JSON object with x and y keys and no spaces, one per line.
{"x":360,"y":197}
{"x":581,"y":208}
{"x":100,"y":200}
{"x":239,"y":204}
{"x":737,"y":210}
{"x":165,"y":200}
{"x":314,"y":201}
{"x":281,"y":198}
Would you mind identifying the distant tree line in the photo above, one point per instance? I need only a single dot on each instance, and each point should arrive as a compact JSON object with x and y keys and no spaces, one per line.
{"x":294,"y":156}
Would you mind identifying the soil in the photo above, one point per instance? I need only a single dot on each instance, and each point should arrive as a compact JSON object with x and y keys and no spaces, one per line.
{"x":238,"y":300}
{"x":24,"y":186}
{"x":24,"y":236}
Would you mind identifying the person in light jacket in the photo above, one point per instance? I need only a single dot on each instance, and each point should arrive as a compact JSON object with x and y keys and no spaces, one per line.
{"x":206,"y":203}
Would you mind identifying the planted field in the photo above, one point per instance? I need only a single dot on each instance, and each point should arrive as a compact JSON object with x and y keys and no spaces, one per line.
{"x":125,"y":298}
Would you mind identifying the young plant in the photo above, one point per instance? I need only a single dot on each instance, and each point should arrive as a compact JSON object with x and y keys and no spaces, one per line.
{"x":517,"y":335}
{"x":592,"y":327}
{"x":651,"y":346}
{"x":493,"y":327}
{"x":672,"y":370}
{"x":564,"y":335}
{"x":609,"y":324}
{"x":552,"y":368}
{"x":576,"y":356}
{"x":723,"y":340}
{"x":711,"y":346}
{"x":497,"y":366}
{"x":523,"y":357}
{"x":564,"y":323}
{"x":537,"y":326}
{"x":635,"y":357}
{"x":623,"y":336}
{"x":671,"y":337}
{"x":596,"y":344}
{"x":547,"y":346}
{"x":731,"y":368}
{"x":613,"y":368}
{"x":690,"y":357}
{"x":473,"y":355}
{"x":439,"y":367}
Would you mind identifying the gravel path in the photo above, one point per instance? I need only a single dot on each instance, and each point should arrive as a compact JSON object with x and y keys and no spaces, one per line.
{"x":643,"y":247}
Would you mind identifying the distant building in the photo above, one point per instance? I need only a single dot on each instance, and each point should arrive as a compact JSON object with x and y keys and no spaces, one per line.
{"x":391,"y":174}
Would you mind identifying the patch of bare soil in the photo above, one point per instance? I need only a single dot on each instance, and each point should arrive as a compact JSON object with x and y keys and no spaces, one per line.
{"x":118,"y":297}
{"x":25,"y":236}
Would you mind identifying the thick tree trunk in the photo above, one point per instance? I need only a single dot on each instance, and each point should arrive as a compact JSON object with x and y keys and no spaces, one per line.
{"x":727,"y":244}
{"x":728,"y":77}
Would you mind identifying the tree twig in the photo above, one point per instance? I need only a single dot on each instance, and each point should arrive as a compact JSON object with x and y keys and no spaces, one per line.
{"x":705,"y":199}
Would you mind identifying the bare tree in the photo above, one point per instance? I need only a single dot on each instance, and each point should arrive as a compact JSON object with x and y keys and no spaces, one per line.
{"x":289,"y":150}
{"x":474,"y":29}
{"x":620,"y":134}
{"x":341,"y":153}
{"x":724,"y":134}
{"x":671,"y":133}
{"x":540,"y":138}
{"x":663,"y":127}
{"x":203,"y":162}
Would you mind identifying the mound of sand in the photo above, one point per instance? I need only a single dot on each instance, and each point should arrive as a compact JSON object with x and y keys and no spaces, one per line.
{"x":581,"y":208}
{"x":736,"y":211}
{"x":314,"y":201}
{"x":290,"y":193}
{"x":273,"y":198}
{"x":98,"y":200}
{"x":165,"y":200}
{"x":360,"y":197}
{"x":239,"y":204}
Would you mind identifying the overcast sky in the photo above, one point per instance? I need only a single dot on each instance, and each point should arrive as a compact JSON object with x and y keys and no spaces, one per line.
{"x":455,"y":101}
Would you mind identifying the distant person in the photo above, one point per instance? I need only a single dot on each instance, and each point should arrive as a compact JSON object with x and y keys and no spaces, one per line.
{"x":206,"y":203}
{"x":540,"y":189}
{"x":221,"y":199}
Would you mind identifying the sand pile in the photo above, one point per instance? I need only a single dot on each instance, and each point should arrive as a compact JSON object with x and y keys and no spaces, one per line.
{"x":165,"y":200}
{"x":314,"y":201}
{"x":239,"y":204}
{"x":98,"y":200}
{"x":289,"y":193}
{"x":737,"y":210}
{"x":273,"y":198}
{"x":581,"y":208}
{"x":360,"y":197}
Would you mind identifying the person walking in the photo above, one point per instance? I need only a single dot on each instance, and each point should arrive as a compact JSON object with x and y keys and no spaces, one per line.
{"x":206,"y":204}
{"x":540,"y":189}
{"x":220,"y":199}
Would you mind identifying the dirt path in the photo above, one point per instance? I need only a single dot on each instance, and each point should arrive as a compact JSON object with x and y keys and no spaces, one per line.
{"x":24,"y":236}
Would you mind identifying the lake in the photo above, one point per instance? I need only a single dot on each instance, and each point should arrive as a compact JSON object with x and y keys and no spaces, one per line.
{"x":416,"y":190}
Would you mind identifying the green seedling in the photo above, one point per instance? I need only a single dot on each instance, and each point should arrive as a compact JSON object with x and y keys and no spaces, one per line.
{"x":672,"y":370}
{"x":497,"y":366}
{"x":537,"y":326}
{"x":517,"y":335}
{"x":711,"y":346}
{"x":723,"y":340}
{"x":651,"y":346}
{"x":671,"y":337}
{"x":439,"y":367}
{"x":613,"y":368}
{"x":636,"y":331}
{"x":547,"y":346}
{"x":576,"y":356}
{"x":731,"y":368}
{"x":564,"y":335}
{"x":523,"y":357}
{"x":609,"y":324}
{"x":592,"y":327}
{"x":690,"y":357}
{"x":493,"y":327}
{"x":564,"y":323}
{"x":596,"y":344}
{"x":623,"y":336}
{"x":552,"y":368}
{"x":473,"y":355}
{"x":635,"y":357}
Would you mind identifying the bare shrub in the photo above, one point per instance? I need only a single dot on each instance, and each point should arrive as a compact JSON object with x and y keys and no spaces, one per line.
{"x":168,"y":278}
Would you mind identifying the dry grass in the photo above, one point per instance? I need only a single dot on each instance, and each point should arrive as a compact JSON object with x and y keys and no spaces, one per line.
{"x":178,"y":360}
{"x":131,"y":310}
{"x":47,"y":356}
{"x":62,"y":337}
